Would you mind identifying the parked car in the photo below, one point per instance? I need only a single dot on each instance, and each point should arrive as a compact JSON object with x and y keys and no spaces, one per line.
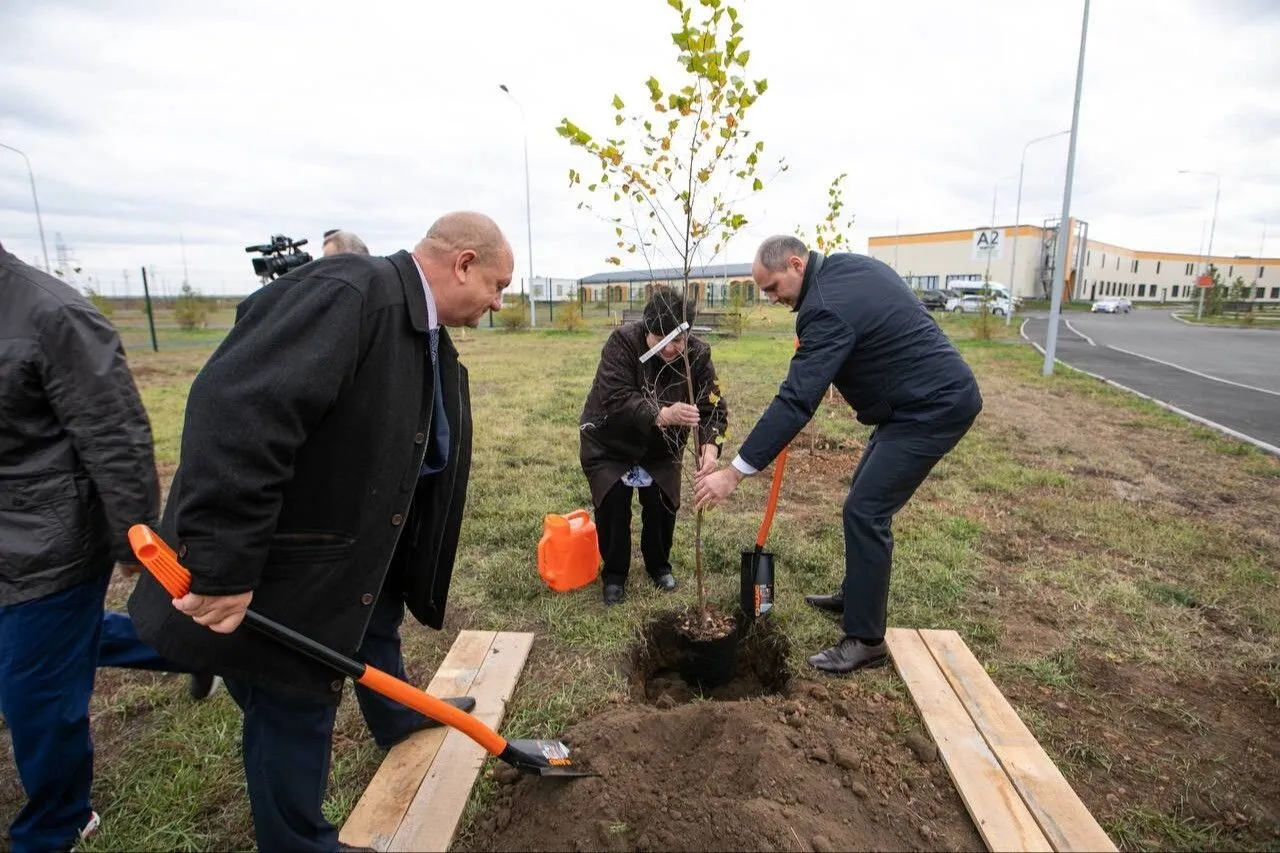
{"x":1112,"y":305}
{"x":934,"y":300}
{"x":972,"y":304}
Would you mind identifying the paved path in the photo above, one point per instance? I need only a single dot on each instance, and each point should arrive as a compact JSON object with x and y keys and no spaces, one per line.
{"x":1228,"y":376}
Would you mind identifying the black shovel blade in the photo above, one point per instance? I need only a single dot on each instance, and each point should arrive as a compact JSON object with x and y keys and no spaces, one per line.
{"x":542,"y":757}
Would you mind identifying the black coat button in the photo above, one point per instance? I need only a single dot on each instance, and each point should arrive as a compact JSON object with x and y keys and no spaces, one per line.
{"x":182,"y":550}
{"x":396,"y":519}
{"x":336,"y":685}
{"x":419,"y":437}
{"x":366,"y":599}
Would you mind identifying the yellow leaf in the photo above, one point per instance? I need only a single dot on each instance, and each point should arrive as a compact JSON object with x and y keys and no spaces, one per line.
{"x":713,"y":399}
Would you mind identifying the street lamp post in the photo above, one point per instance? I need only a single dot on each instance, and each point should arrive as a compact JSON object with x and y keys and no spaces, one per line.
{"x":35,"y":200}
{"x":1212,"y":224}
{"x":1017,"y":216}
{"x":528,"y":213}
{"x":1064,"y":222}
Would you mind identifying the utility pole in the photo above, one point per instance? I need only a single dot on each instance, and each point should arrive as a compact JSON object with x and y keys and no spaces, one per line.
{"x":1064,"y":222}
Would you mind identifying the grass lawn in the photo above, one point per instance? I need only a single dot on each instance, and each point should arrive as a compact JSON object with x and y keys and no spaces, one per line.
{"x":1113,"y":566}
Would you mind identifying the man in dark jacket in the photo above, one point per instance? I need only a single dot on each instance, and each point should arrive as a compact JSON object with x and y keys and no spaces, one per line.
{"x":76,"y":470}
{"x":325,"y":458}
{"x":862,"y":330}
{"x":634,"y":430}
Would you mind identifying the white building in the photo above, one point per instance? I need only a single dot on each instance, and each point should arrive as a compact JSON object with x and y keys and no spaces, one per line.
{"x":1023,"y":257}
{"x":554,"y":289}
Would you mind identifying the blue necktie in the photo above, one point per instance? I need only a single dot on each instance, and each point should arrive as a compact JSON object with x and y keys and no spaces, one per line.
{"x":438,"y":450}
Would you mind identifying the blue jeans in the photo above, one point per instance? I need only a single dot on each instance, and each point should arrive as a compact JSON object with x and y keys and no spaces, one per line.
{"x":50,"y":649}
{"x":288,"y":741}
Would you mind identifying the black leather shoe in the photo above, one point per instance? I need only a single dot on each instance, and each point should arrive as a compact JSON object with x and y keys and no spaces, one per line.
{"x":848,"y":655}
{"x":614,"y":594}
{"x":462,"y":703}
{"x":666,"y":583}
{"x":830,"y":603}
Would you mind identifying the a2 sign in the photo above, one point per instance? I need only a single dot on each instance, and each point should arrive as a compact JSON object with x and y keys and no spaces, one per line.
{"x":986,"y":244}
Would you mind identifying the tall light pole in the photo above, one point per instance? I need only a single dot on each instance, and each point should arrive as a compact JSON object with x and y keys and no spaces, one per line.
{"x":528,"y":213}
{"x":35,"y":200}
{"x":1212,"y":224}
{"x":1017,"y":215}
{"x":1064,"y":222}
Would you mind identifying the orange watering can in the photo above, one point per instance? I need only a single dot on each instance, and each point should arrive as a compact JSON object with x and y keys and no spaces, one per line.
{"x":568,"y":553}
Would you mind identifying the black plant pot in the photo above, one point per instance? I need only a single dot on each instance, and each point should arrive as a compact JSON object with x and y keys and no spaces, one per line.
{"x":708,"y":663}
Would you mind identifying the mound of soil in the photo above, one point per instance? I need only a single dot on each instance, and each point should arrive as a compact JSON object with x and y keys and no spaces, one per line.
{"x":821,"y":767}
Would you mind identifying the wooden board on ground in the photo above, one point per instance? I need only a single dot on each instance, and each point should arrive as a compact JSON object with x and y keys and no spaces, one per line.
{"x":1001,"y":817}
{"x":382,"y":808}
{"x":1017,"y":797}
{"x":436,"y":810}
{"x":1063,"y":818}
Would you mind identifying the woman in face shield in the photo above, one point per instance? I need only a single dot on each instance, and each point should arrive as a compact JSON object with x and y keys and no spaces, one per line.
{"x":635,"y":430}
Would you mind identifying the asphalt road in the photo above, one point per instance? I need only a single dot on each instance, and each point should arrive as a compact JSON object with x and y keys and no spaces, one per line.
{"x":1228,"y":376}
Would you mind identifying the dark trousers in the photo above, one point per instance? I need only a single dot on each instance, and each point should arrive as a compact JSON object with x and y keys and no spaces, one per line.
{"x":287,"y":741}
{"x":613,"y":532}
{"x":894,"y":463}
{"x":50,"y":649}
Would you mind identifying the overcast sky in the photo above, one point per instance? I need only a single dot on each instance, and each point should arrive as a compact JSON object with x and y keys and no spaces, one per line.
{"x":221,"y":123}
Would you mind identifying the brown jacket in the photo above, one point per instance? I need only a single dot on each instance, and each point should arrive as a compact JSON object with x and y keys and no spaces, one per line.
{"x":618,"y":426}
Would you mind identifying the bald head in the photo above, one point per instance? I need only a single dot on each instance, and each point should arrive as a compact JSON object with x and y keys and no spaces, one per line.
{"x":461,"y":230}
{"x":468,"y":263}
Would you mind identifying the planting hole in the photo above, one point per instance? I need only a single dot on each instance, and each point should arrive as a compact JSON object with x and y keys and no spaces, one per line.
{"x":655,"y":675}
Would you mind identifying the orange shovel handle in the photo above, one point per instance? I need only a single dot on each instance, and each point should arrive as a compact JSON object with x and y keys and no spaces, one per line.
{"x":160,"y":560}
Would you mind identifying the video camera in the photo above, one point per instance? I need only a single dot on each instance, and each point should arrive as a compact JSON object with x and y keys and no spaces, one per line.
{"x":278,"y":257}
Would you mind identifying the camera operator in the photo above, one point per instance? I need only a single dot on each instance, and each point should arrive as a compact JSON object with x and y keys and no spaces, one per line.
{"x":337,"y":241}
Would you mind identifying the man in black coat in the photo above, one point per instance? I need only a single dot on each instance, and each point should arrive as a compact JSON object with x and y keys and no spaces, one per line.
{"x":862,"y":330}
{"x":325,"y":457}
{"x":76,"y":471}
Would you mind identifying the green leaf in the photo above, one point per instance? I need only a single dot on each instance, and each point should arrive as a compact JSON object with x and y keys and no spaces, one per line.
{"x":744,"y":57}
{"x":762,"y":86}
{"x":678,"y":5}
{"x":757,"y":185}
{"x":617,"y":102}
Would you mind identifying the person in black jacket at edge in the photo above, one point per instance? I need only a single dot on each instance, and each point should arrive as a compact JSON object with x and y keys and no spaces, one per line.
{"x":326,"y":452}
{"x":77,"y":469}
{"x":861,"y":329}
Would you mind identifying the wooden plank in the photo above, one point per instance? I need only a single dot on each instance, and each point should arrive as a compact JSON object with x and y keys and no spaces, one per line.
{"x":437,"y":808}
{"x":383,"y":804}
{"x":994,"y":805}
{"x":1063,"y":818}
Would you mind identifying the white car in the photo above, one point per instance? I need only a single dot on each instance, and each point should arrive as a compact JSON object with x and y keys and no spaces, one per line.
{"x":1116,"y":305}
{"x":972,"y":304}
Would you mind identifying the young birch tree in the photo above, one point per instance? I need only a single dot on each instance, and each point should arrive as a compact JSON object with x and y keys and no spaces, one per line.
{"x":674,"y":173}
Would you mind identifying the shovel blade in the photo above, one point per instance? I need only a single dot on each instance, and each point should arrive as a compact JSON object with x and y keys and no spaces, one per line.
{"x":543,"y":757}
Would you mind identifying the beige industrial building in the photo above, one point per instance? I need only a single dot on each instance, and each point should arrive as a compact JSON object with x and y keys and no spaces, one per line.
{"x":1023,"y":258}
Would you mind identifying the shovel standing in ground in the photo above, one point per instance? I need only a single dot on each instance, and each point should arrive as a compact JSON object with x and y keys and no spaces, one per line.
{"x":541,"y":757}
{"x":757,"y":564}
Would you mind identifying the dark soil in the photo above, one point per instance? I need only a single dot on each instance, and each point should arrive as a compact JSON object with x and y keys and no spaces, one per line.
{"x":822,"y":768}
{"x":770,"y":763}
